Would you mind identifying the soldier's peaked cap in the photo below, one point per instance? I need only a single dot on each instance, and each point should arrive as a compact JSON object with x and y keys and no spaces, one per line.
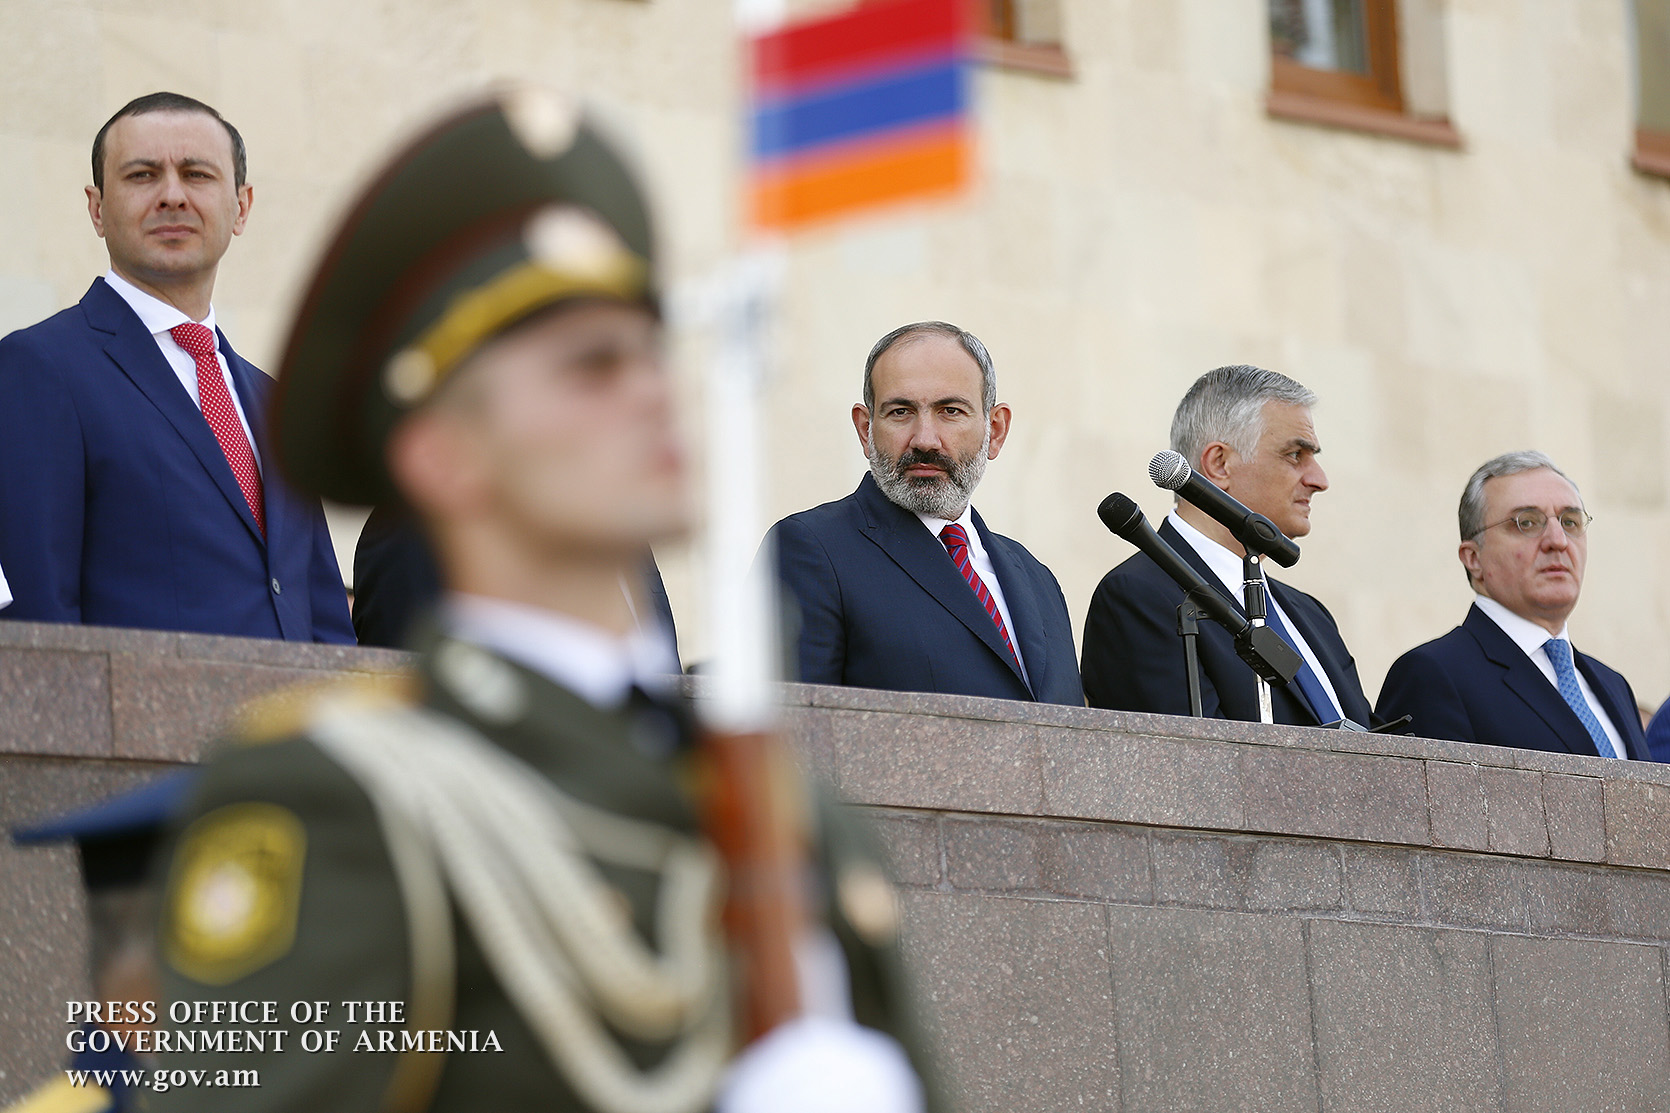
{"x":504,"y":208}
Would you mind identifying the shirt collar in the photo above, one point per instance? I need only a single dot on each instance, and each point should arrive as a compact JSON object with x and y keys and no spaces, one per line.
{"x":1527,"y":635}
{"x":1226,"y":565}
{"x":936,"y":525}
{"x":157,"y":315}
{"x":598,"y":666}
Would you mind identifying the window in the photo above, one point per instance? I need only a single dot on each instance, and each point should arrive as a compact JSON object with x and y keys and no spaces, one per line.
{"x":1652,"y":86}
{"x":1025,"y":35}
{"x":1341,"y":62}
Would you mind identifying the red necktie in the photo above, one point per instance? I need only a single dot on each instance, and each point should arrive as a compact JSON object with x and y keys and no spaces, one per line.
{"x":222,"y":416}
{"x":956,"y":543}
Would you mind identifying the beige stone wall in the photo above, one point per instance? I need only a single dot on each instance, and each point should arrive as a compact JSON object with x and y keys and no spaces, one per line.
{"x":1135,"y":225}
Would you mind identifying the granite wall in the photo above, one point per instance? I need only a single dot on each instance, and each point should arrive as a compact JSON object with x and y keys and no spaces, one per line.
{"x":1107,"y":911}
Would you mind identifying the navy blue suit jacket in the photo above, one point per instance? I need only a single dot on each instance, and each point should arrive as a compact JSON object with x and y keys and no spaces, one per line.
{"x":117,"y":506}
{"x":881,"y":605}
{"x":1475,"y":684}
{"x":1133,"y":658}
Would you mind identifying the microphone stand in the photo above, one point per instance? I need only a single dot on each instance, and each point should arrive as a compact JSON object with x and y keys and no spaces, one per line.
{"x":1254,"y":590}
{"x":1189,"y":615}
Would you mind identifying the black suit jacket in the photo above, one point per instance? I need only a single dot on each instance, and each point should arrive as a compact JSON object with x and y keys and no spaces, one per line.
{"x":396,"y":582}
{"x":1133,"y":658}
{"x":1475,"y":684}
{"x":881,"y":605}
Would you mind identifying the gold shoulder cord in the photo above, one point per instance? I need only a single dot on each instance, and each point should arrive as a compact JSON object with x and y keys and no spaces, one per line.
{"x":518,"y":855}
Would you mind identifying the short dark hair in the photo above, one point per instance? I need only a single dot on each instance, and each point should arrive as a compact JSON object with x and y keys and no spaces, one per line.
{"x":971,"y":344}
{"x":169,"y":102}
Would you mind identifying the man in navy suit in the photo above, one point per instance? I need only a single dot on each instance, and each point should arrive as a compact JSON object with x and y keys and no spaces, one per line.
{"x":133,"y":485}
{"x":1250,"y":432}
{"x":900,"y":585}
{"x":1508,"y":675}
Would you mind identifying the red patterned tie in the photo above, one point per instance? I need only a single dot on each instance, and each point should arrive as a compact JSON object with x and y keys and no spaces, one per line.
{"x":956,"y":543}
{"x":222,"y":416}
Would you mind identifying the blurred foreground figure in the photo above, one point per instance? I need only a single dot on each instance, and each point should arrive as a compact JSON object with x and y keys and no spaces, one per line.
{"x":116,"y":840}
{"x":512,"y":853}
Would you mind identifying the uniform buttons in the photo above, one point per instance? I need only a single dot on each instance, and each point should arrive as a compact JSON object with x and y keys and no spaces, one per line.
{"x":278,"y":588}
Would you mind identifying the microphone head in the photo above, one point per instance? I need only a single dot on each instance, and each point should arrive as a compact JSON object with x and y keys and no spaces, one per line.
{"x":1170,"y":470}
{"x":1119,"y":513}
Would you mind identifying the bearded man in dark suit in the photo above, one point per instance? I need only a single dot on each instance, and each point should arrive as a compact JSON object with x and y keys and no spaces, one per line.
{"x":901,"y":585}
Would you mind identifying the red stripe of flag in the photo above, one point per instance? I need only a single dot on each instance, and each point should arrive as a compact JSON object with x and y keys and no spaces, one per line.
{"x":858,"y":43}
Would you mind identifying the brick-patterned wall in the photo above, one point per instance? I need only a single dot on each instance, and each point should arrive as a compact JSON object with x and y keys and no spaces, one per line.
{"x":1106,"y":911}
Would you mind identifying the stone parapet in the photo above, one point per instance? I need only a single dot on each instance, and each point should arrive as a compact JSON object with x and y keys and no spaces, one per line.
{"x":1106,"y":911}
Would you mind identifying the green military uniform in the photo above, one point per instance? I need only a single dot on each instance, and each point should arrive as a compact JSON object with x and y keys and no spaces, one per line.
{"x":323,"y":916}
{"x":514,"y":865}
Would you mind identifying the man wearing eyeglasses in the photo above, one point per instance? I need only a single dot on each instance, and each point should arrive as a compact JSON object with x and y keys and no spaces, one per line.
{"x":1508,"y":676}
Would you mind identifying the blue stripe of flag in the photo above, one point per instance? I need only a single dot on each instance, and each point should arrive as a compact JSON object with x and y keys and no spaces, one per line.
{"x":879,"y":104}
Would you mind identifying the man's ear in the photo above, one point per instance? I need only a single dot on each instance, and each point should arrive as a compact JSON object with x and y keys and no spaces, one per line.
{"x":246,"y":200}
{"x":1471,"y":560}
{"x":999,"y":420}
{"x":95,"y":209}
{"x":861,"y":424}
{"x":1214,"y":462}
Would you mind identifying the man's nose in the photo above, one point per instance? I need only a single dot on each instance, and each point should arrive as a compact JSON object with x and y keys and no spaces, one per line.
{"x":1315,"y":478}
{"x":173,"y":192}
{"x":1554,"y":535}
{"x":925,"y":433}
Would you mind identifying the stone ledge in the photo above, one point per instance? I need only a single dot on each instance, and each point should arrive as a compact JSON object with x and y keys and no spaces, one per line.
{"x":1120,"y":864}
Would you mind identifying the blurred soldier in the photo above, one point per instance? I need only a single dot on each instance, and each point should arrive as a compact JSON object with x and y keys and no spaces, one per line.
{"x":1250,"y":432}
{"x":514,"y":853}
{"x":1508,"y":675}
{"x":116,"y":839}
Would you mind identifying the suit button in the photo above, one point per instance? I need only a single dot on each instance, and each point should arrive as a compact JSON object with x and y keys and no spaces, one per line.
{"x":278,"y":588}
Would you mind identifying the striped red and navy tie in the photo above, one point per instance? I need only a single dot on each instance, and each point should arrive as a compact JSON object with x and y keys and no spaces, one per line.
{"x":955,"y":539}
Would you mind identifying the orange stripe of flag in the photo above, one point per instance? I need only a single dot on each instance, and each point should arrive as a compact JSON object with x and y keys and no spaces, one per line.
{"x":816,"y":188}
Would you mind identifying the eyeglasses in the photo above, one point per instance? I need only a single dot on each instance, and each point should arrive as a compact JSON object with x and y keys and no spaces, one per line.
{"x":1531,"y":522}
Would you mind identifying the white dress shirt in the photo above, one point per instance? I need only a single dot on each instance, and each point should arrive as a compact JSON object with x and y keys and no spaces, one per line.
{"x":983,"y":565}
{"x":1226,"y":565}
{"x":5,"y":591}
{"x":1531,"y":638}
{"x":158,"y":317}
{"x":594,"y":664}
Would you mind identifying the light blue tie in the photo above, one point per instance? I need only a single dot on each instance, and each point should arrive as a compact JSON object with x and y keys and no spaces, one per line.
{"x":1559,"y":654}
{"x":1310,"y":687}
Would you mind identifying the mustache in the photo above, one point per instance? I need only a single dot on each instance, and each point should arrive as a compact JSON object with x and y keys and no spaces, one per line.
{"x":912,"y":457}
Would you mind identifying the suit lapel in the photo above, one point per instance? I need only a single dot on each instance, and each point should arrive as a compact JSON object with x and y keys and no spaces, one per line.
{"x":1025,"y":611}
{"x":1526,"y":681}
{"x":135,"y":352}
{"x":1622,"y":714}
{"x":921,"y":556}
{"x":252,"y":386}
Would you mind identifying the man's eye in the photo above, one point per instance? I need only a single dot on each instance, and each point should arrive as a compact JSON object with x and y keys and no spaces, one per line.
{"x":1530,"y":522}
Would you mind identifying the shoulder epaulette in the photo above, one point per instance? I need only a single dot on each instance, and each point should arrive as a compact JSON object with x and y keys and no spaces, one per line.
{"x":288,"y":711}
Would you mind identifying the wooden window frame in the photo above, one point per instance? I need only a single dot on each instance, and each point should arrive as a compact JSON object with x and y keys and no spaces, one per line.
{"x":1371,"y":102}
{"x":1652,"y":152}
{"x":997,"y":45}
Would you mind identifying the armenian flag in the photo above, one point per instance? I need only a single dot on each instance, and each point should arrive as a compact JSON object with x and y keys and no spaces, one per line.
{"x":860,"y":110}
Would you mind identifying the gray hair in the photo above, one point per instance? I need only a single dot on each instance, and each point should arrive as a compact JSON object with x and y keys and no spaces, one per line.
{"x":1227,"y":404}
{"x":1470,"y":514}
{"x":971,"y":344}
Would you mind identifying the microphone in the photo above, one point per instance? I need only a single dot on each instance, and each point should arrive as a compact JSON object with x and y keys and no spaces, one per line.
{"x":1259,"y":646}
{"x":1255,"y":532}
